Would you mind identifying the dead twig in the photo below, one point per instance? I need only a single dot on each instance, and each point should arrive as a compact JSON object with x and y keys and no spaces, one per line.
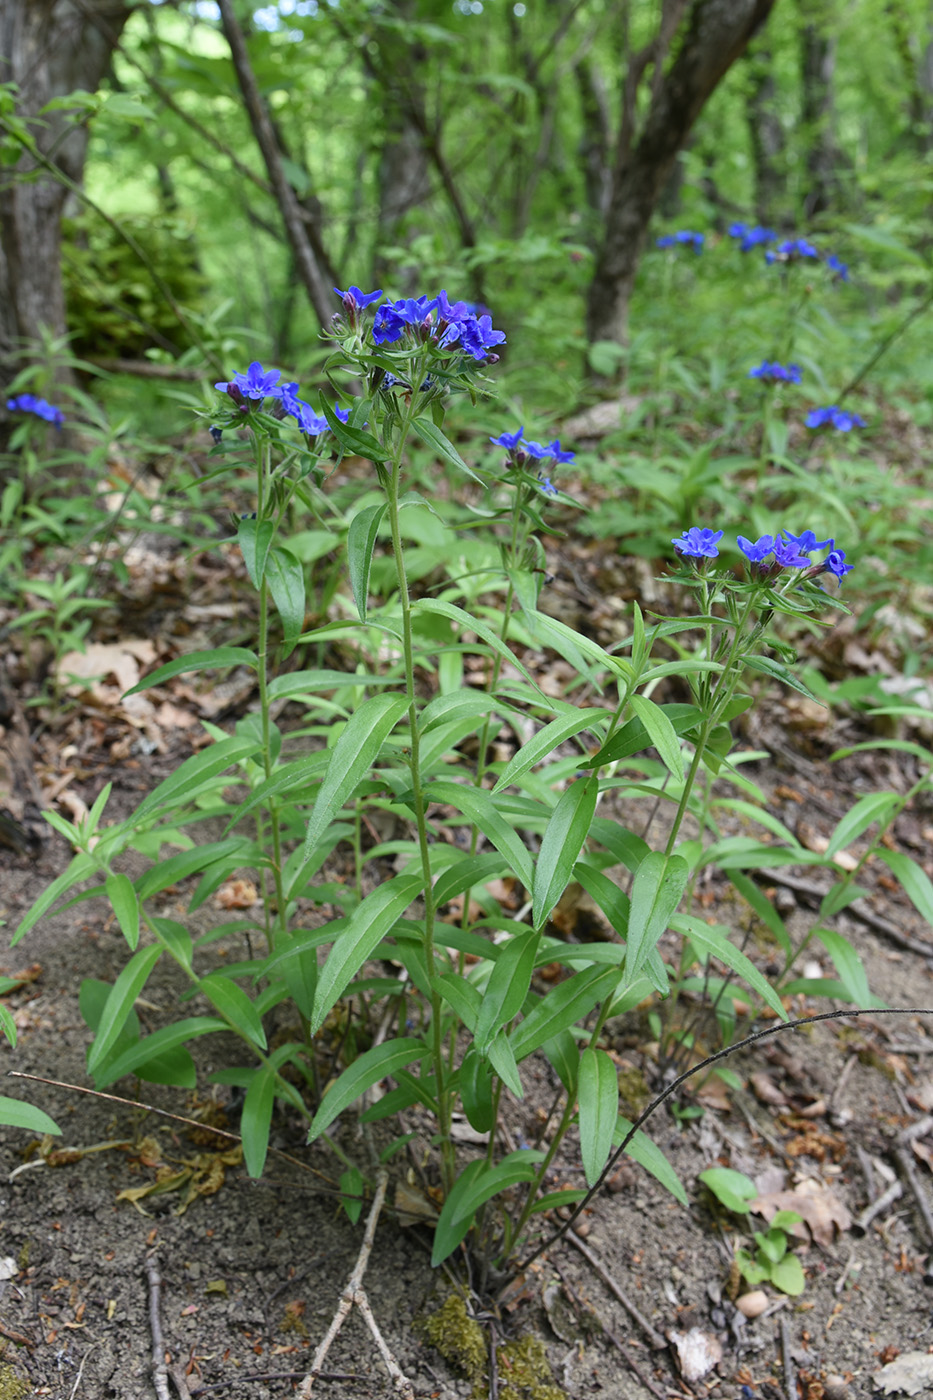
{"x":74,"y":1388}
{"x":624,"y":1351}
{"x":654,"y":1337}
{"x":790,"y":1375}
{"x":353,"y":1294}
{"x":877,"y":1207}
{"x":159,"y":1364}
{"x":904,"y":1159}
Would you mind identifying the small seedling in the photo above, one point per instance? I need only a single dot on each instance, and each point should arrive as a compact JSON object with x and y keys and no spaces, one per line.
{"x":771,"y":1262}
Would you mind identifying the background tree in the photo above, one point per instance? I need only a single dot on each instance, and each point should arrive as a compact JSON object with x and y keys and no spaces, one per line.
{"x":48,"y":48}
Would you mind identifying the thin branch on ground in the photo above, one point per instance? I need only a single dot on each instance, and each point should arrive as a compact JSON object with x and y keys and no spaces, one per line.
{"x":159,"y":1364}
{"x":790,"y":1375}
{"x":624,"y":1351}
{"x":353,"y":1294}
{"x":654,"y":1337}
{"x":74,"y":1388}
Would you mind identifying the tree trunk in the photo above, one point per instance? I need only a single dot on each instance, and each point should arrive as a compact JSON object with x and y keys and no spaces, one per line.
{"x":766,"y":136}
{"x":714,"y":34}
{"x":817,"y":71}
{"x":311,"y":259}
{"x":403,"y":172}
{"x":47,"y":48}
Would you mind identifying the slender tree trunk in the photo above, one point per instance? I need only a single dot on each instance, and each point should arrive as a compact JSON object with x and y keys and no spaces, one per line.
{"x":817,"y":72}
{"x":311,"y":259}
{"x":595,"y":140}
{"x":403,"y":172}
{"x":714,"y":34}
{"x":766,"y":136}
{"x":47,"y":48}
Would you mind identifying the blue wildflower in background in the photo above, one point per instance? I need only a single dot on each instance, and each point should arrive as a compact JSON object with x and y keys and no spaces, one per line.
{"x":684,"y":236}
{"x":41,"y":408}
{"x":749,"y":238}
{"x":698,"y":543}
{"x":522,"y":450}
{"x":770,"y":372}
{"x":833,"y":417}
{"x":838,"y":268}
{"x":791,"y":250}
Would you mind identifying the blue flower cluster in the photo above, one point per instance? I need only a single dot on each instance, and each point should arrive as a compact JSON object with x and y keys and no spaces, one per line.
{"x":28,"y":403}
{"x":446,"y":324}
{"x":791,"y":552}
{"x":770,"y":372}
{"x":833,"y":417}
{"x":792,"y":250}
{"x":258,"y":384}
{"x":685,"y":235}
{"x":522,"y":450}
{"x":749,"y":238}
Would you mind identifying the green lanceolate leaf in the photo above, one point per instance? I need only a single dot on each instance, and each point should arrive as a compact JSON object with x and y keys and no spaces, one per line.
{"x":285,"y":577}
{"x":656,"y":892}
{"x":432,"y":437}
{"x":351,"y":759}
{"x":361,"y":541}
{"x":915,"y":881}
{"x":217,"y":659}
{"x":119,"y":1003}
{"x":469,"y":623}
{"x":648,"y":1155}
{"x":256,"y":1119}
{"x":363,"y":932}
{"x":16,"y":1114}
{"x":234,"y":1005}
{"x":476,"y":1185}
{"x":661,"y":731}
{"x":80,"y":867}
{"x":476,"y":1091}
{"x":598,"y":1098}
{"x":161,"y":1042}
{"x":563,"y":840}
{"x":352,"y":440}
{"x":548,"y":739}
{"x":634,"y":735}
{"x":873,"y":807}
{"x":849,"y":965}
{"x":368,"y":1069}
{"x":715,"y":940}
{"x":197,"y":773}
{"x":255,"y":540}
{"x":125,"y":905}
{"x":480,"y":807}
{"x":562,"y":1008}
{"x":507,"y":987}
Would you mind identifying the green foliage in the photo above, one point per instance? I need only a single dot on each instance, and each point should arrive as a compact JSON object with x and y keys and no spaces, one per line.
{"x":115,"y":308}
{"x":771,"y":1262}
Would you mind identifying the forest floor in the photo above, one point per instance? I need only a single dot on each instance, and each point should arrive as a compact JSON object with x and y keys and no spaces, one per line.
{"x":250,"y":1272}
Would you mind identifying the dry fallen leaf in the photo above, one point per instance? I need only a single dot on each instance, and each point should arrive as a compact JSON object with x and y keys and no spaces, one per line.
{"x":697,"y":1352}
{"x":819,"y":1206}
{"x":236,"y":894}
{"x":765,"y":1089}
{"x":910,"y":1374}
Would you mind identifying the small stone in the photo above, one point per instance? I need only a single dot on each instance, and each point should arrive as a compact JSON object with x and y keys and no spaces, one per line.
{"x":835,"y":1388}
{"x":752,"y":1304}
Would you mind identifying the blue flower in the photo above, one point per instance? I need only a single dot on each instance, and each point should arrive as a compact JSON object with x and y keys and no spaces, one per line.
{"x":28,"y":403}
{"x":835,"y":563}
{"x":256,"y":384}
{"x":787,"y":555}
{"x":311,"y":423}
{"x":757,"y":551}
{"x":508,"y":440}
{"x":535,"y":449}
{"x":547,"y":487}
{"x":698,"y":543}
{"x":342,"y":413}
{"x":791,"y":250}
{"x":833,"y":417}
{"x":807,"y":541}
{"x":738,"y":230}
{"x":477,"y":336}
{"x":558,"y":456}
{"x":217,"y":433}
{"x":684,"y":235}
{"x":355,"y":300}
{"x":773,"y":373}
{"x":756,"y":237}
{"x":837,"y":266}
